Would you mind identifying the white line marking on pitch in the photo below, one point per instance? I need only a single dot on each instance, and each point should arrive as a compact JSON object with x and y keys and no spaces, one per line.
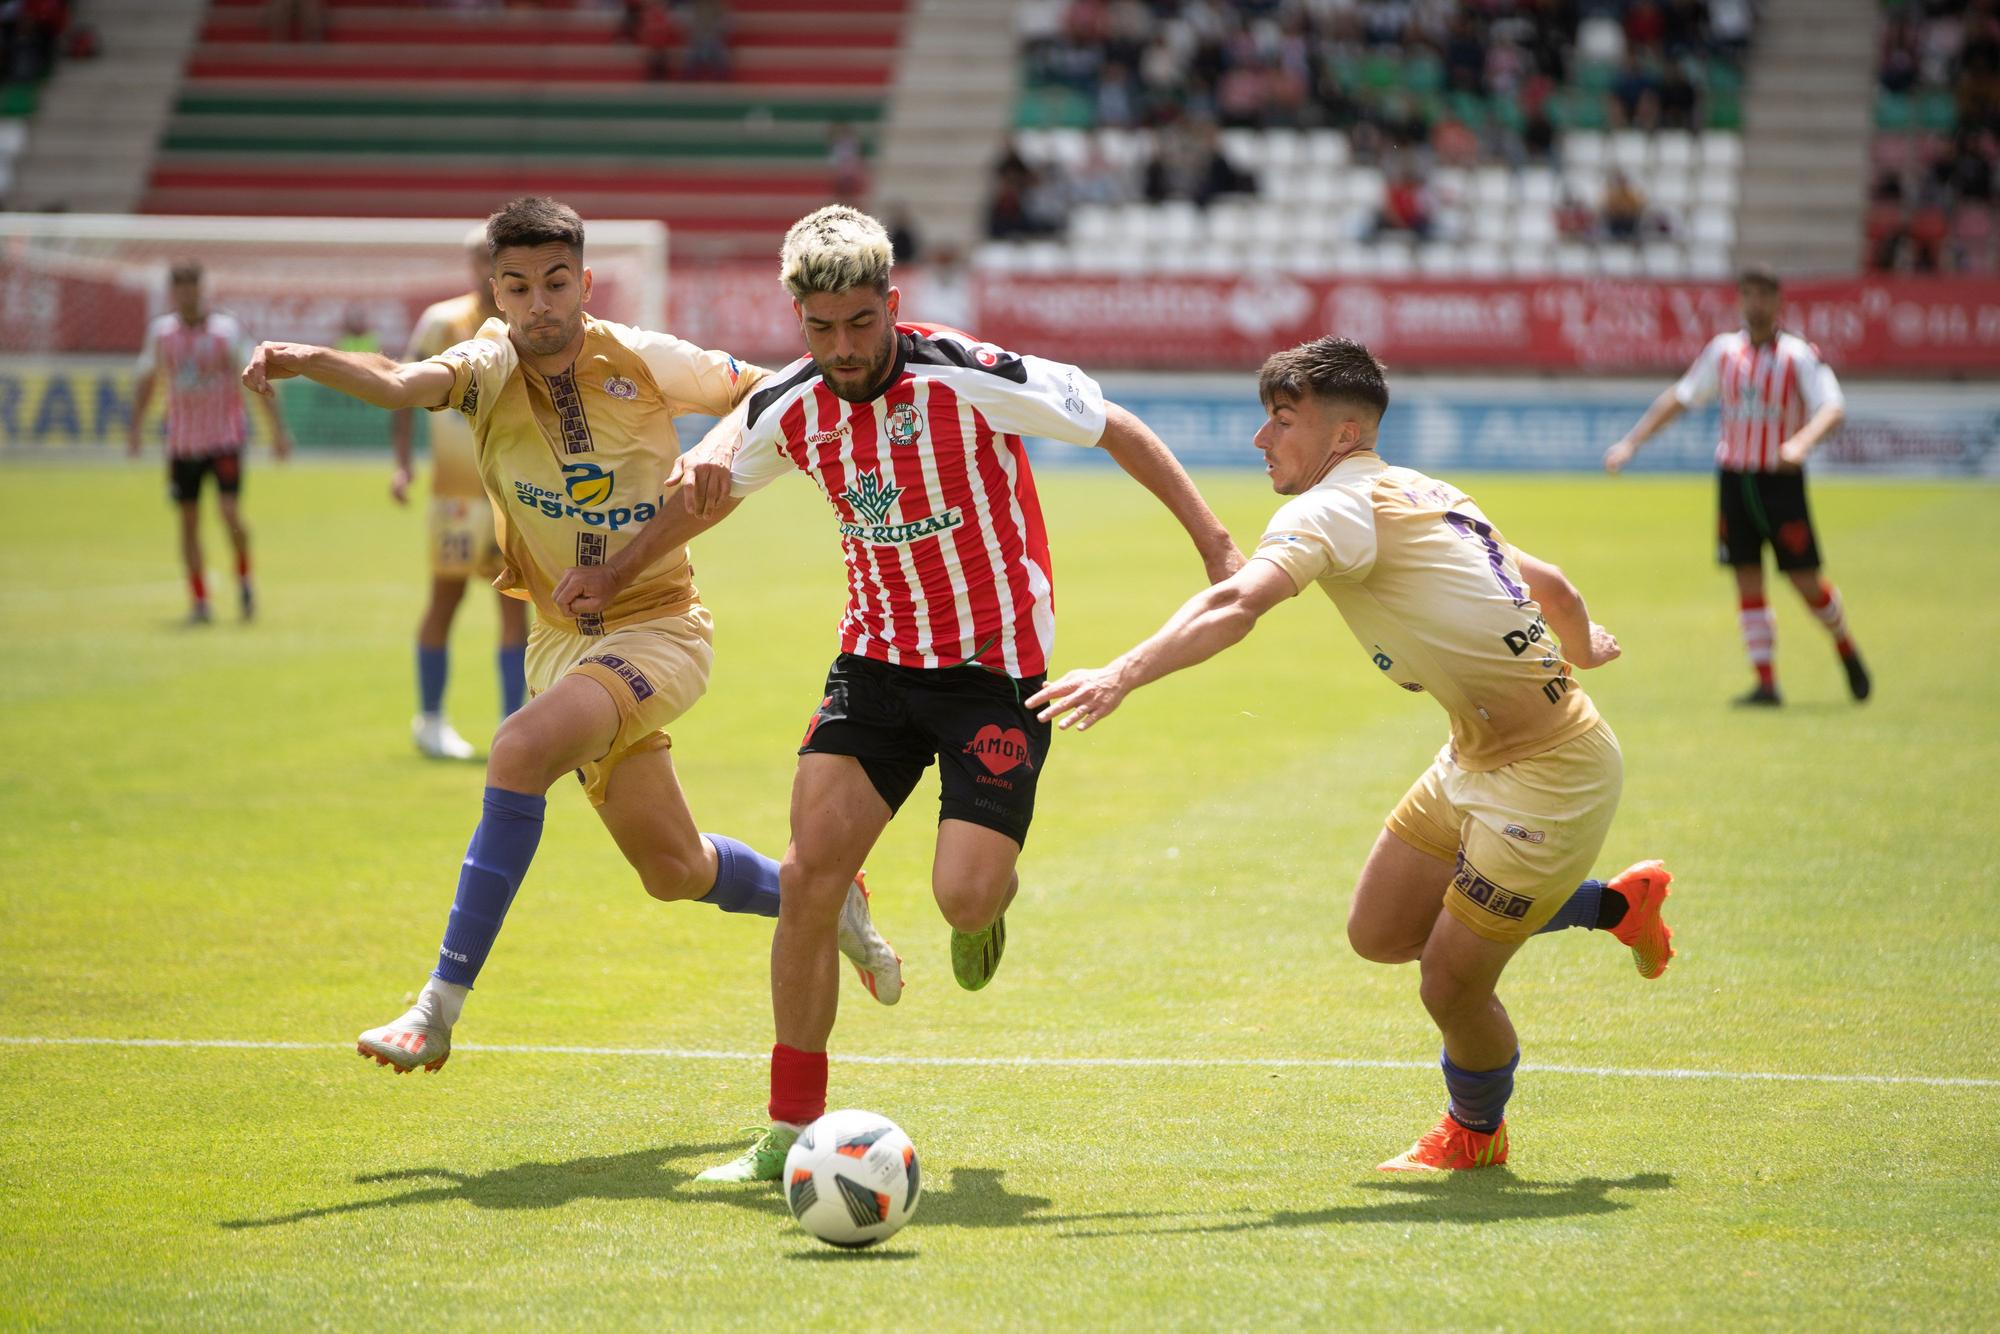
{"x":1046,"y":1062}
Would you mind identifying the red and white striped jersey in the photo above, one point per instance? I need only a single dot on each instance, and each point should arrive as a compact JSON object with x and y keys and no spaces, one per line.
{"x":947,"y":557}
{"x":1768,"y":391}
{"x":200,"y":364}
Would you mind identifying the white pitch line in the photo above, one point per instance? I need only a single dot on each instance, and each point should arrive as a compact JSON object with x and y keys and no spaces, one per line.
{"x":1050,"y":1062}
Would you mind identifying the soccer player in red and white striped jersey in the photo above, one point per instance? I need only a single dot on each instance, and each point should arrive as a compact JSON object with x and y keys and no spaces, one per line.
{"x":914,"y":435}
{"x":1779,"y":400}
{"x":198,"y":352}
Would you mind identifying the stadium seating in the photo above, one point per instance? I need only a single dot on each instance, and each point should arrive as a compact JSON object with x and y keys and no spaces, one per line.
{"x":1937,"y":141}
{"x":418,"y":111}
{"x":1345,"y":111}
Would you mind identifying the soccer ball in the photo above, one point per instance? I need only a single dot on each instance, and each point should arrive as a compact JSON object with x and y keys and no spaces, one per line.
{"x":851,"y":1178}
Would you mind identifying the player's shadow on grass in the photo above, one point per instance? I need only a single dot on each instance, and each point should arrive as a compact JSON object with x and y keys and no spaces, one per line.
{"x":973,"y":1197}
{"x":1490,"y":1196}
{"x":643,"y":1174}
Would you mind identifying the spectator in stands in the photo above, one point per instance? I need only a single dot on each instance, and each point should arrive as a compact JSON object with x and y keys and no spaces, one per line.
{"x":1634,"y":99}
{"x":1624,"y":208}
{"x":1189,"y":164}
{"x":903,"y":240}
{"x":31,"y":33}
{"x":298,"y":20}
{"x":1678,"y":99}
{"x":1406,"y":208}
{"x":653,"y":29}
{"x":707,"y":56}
{"x":846,"y":160}
{"x":1574,"y":219}
{"x":1118,"y":99}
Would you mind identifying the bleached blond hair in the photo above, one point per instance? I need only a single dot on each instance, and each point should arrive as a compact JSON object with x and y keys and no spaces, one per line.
{"x":835,"y":249}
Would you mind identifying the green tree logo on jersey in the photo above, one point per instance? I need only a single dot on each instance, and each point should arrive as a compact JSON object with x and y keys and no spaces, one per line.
{"x":870,"y":499}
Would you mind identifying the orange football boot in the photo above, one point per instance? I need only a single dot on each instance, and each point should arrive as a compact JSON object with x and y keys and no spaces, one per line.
{"x":1450,"y":1147}
{"x":1644,"y":885}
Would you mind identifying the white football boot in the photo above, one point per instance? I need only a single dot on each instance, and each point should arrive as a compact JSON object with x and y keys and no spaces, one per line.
{"x":880,"y":967}
{"x":436,"y":738}
{"x":420,"y":1037}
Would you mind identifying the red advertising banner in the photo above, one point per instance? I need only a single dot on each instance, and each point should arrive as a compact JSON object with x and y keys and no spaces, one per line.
{"x":1904,"y":326}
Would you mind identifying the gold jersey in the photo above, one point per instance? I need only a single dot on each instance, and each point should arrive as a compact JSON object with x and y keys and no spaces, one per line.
{"x":454,"y":457}
{"x":1435,"y":596}
{"x":576,"y":462}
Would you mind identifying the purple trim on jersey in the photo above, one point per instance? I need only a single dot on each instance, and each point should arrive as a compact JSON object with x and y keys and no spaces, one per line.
{"x":1469,"y":527}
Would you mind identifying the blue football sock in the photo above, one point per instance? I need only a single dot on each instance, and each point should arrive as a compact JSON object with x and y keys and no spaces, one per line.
{"x":495,"y":862}
{"x":432,"y":665}
{"x":1479,"y":1097}
{"x":1581,"y":910}
{"x":745,"y":879}
{"x":513,"y":678}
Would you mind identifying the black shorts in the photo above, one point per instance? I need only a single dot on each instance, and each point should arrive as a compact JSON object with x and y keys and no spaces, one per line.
{"x":896,"y":720}
{"x":1759,"y":507}
{"x":184,"y":475}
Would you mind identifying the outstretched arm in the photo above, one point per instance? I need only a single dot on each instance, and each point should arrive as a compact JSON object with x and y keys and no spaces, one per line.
{"x":1132,"y":444}
{"x":1665,"y":408}
{"x":1207,"y":623}
{"x":1584,"y":642}
{"x":368,"y":376}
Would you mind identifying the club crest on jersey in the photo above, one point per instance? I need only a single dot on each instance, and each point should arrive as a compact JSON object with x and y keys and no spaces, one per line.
{"x":620,"y":387}
{"x":587,"y":483}
{"x":904,"y":424}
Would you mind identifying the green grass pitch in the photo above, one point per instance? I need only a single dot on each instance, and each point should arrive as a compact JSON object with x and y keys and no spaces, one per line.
{"x":225,"y":835}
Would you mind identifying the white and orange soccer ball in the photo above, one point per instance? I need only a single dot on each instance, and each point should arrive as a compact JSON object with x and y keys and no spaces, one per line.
{"x":851,"y":1178}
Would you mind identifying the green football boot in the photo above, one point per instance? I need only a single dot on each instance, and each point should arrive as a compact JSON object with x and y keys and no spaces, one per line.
{"x":975,"y":955}
{"x":762,"y":1161}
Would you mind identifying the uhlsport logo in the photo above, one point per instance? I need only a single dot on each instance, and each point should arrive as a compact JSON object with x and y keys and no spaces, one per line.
{"x":872,"y":501}
{"x":587,"y":483}
{"x":585,"y":487}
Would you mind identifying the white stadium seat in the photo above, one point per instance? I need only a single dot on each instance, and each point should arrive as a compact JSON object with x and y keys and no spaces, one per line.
{"x":1631,"y":151}
{"x":1721,"y":150}
{"x":1539,"y":187}
{"x":1673,"y":149}
{"x":1575,"y":261}
{"x":1583,"y":148}
{"x":1535,"y":225}
{"x":1716,"y":188}
{"x":1712,"y":225}
{"x":1492,"y":188}
{"x":1708,"y":261}
{"x":1618,"y":261}
{"x":1326,"y":148}
{"x":1663,"y":259}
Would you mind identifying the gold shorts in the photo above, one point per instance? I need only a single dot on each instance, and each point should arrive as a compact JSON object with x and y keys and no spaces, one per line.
{"x":654,"y":671}
{"x":462,"y":538}
{"x":1522,"y":836}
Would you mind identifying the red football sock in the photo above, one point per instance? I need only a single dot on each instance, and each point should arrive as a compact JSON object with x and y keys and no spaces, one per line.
{"x":1759,"y":632}
{"x":243,"y":566}
{"x":798,"y":1085}
{"x":198,"y":586}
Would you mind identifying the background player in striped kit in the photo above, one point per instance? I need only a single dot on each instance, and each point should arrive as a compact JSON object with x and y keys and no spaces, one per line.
{"x":1779,"y":400}
{"x":198,"y":350}
{"x":574,"y":419}
{"x":462,"y":537}
{"x":913,"y":434}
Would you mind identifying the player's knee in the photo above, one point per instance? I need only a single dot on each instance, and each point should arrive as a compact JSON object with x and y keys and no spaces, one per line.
{"x":1372,"y":943}
{"x":1446,"y":996}
{"x":671,"y":877}
{"x":812,"y":885}
{"x":517,"y":760}
{"x":970,"y":903}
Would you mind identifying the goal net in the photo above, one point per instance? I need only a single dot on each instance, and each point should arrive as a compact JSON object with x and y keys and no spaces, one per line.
{"x":76,"y":293}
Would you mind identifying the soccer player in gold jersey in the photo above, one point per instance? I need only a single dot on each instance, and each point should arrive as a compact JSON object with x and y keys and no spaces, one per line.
{"x":574,"y":419}
{"x":463,"y":537}
{"x":1489,"y":846}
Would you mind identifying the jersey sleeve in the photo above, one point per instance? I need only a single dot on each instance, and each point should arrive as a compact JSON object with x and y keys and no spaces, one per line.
{"x":1325,"y":533}
{"x":479,"y":367}
{"x":1703,"y":378}
{"x":1817,"y":385}
{"x":694,"y":379}
{"x":760,"y":458}
{"x":231,"y":330}
{"x":1021,"y":395}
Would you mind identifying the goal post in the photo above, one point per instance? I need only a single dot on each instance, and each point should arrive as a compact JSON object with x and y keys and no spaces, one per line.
{"x":77,"y":290}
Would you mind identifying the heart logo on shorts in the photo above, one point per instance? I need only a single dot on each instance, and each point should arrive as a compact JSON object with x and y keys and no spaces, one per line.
{"x":999,"y":751}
